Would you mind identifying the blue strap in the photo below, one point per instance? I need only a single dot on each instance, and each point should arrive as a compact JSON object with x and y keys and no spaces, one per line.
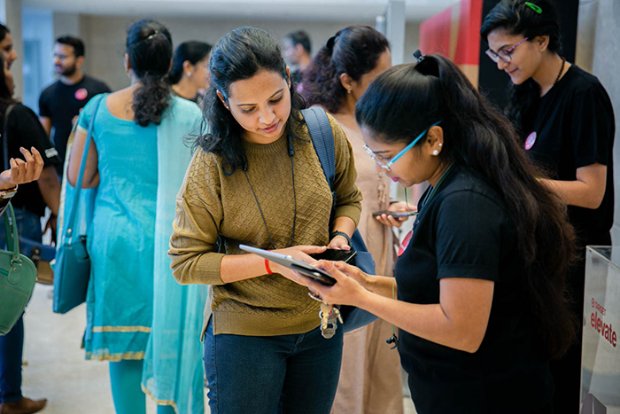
{"x":78,"y":185}
{"x":323,"y":140}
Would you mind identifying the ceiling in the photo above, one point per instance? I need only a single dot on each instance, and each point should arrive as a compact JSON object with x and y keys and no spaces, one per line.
{"x":325,"y":10}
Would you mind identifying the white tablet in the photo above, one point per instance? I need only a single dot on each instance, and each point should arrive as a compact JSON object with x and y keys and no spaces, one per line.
{"x":294,"y":264}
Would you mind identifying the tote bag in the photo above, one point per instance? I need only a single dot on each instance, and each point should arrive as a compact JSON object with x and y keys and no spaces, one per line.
{"x":72,"y":263}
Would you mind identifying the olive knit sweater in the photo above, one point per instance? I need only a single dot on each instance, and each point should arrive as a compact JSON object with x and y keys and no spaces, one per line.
{"x":212,"y":204}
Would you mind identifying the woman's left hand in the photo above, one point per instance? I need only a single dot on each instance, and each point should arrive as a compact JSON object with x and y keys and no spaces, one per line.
{"x":20,"y":171}
{"x":339,"y":243}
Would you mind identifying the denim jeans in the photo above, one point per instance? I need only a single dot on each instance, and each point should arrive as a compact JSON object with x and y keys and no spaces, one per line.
{"x":12,"y":344}
{"x":296,"y":374}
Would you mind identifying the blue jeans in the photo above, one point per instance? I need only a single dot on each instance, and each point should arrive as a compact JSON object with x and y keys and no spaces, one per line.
{"x":12,"y":344}
{"x":295,"y":374}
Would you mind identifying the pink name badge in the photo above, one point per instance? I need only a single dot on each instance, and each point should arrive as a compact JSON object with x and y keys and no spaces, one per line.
{"x":530,"y":141}
{"x":81,"y":94}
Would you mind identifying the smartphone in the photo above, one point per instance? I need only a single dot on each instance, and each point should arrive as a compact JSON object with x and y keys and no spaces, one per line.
{"x":395,"y":214}
{"x":335,"y":255}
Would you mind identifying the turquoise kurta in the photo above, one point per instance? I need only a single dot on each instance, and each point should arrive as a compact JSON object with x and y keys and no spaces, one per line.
{"x":135,"y":308}
{"x":121,"y":238}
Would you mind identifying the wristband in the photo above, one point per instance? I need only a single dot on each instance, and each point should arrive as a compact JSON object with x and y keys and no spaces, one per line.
{"x":340,"y":233}
{"x":267,"y":268}
{"x":8,"y":193}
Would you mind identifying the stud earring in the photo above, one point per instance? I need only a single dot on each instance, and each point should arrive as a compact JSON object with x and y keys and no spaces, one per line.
{"x":188,"y":74}
{"x":349,"y":91}
{"x":435,"y":152}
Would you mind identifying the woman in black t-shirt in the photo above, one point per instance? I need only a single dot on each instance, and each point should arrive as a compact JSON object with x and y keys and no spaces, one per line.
{"x":480,"y":303}
{"x":565,"y":120}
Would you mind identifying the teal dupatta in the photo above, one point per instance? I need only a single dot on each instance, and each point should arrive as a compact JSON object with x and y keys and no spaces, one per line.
{"x":173,"y":371}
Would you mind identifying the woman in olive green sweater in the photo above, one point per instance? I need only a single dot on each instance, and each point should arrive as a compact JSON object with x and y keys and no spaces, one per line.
{"x":256,"y":179}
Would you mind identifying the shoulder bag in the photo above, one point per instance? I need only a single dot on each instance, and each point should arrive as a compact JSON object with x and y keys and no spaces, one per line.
{"x":72,"y":264}
{"x":323,"y":141}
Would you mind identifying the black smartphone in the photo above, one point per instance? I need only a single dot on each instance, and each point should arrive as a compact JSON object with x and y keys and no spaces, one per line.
{"x":335,"y":255}
{"x":395,"y":214}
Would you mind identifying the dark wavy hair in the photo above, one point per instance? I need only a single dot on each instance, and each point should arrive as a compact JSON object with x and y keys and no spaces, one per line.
{"x":239,"y":55}
{"x":192,"y":51}
{"x":75,"y":42}
{"x":406,"y":99}
{"x":6,"y":98}
{"x":149,"y":48}
{"x":353,"y":50}
{"x":3,"y":31}
{"x":516,"y":18}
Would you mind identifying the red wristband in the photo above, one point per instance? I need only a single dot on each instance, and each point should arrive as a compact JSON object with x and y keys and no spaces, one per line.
{"x":267,"y":268}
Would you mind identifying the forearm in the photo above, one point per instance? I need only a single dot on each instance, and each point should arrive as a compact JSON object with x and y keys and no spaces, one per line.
{"x":344,"y":224}
{"x":242,"y":266}
{"x":381,"y":285}
{"x":426,"y":321}
{"x":575,"y":193}
{"x":50,"y":188}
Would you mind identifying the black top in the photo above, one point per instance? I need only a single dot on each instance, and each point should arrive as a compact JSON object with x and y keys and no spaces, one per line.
{"x":464,"y":231}
{"x":25,"y":130}
{"x":574,"y":125}
{"x":61,"y":102}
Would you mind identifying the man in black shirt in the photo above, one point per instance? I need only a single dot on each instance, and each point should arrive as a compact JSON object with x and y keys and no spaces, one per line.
{"x":62,"y":101}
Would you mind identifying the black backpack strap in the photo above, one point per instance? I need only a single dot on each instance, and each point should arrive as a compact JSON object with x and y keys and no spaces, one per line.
{"x":323,"y":140}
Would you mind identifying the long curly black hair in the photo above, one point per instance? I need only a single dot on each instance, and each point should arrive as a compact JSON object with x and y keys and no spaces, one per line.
{"x":353,"y":50}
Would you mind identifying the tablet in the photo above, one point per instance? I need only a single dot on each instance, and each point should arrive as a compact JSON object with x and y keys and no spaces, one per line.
{"x":288,"y":261}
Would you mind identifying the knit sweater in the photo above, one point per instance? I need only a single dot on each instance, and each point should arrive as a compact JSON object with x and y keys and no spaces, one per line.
{"x":212,"y":204}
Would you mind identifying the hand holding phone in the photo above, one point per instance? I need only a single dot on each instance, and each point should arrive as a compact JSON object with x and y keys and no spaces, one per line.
{"x":395,"y":214}
{"x":335,"y":255}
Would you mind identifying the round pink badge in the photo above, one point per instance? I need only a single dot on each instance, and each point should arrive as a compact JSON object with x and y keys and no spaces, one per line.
{"x":81,"y":94}
{"x":530,"y":141}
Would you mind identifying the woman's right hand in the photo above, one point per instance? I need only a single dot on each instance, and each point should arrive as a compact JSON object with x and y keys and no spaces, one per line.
{"x":399,"y":206}
{"x":299,"y":253}
{"x":20,"y":171}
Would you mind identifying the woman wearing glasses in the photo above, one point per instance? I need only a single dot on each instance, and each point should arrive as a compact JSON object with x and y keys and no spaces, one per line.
{"x":565,"y":120}
{"x":479,"y":288}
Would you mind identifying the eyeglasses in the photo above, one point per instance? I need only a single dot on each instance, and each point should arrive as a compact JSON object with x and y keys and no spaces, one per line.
{"x":505,"y":55}
{"x":387,"y":166}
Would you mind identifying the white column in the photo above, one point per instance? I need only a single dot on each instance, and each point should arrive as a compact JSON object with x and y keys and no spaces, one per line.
{"x":395,"y":29}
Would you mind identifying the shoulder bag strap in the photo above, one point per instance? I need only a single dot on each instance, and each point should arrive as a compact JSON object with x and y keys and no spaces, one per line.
{"x":5,"y":137}
{"x":323,"y":140}
{"x":78,"y":184}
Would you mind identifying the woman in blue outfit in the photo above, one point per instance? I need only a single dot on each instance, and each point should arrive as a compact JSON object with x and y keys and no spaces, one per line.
{"x":565,"y":121}
{"x":138,"y":138}
{"x":478,"y":293}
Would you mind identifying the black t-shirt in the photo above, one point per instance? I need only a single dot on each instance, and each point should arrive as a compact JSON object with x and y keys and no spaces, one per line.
{"x":25,"y":130}
{"x":464,"y":231}
{"x":61,"y":102}
{"x":574,"y":125}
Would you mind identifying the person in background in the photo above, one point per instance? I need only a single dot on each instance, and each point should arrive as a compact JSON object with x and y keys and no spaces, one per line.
{"x":189,"y":74}
{"x":21,"y":129}
{"x":565,"y":122}
{"x":136,"y":161}
{"x":338,"y":76}
{"x":480,"y":301}
{"x":297,"y":53}
{"x":6,"y":46}
{"x":256,"y":179}
{"x":61,"y":102}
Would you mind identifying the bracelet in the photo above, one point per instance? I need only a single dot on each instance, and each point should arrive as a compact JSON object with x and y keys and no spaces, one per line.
{"x":342,"y":234}
{"x":8,"y":193}
{"x":267,"y":268}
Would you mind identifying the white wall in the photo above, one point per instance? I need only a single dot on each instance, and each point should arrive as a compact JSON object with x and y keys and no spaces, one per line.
{"x":104,"y":37}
